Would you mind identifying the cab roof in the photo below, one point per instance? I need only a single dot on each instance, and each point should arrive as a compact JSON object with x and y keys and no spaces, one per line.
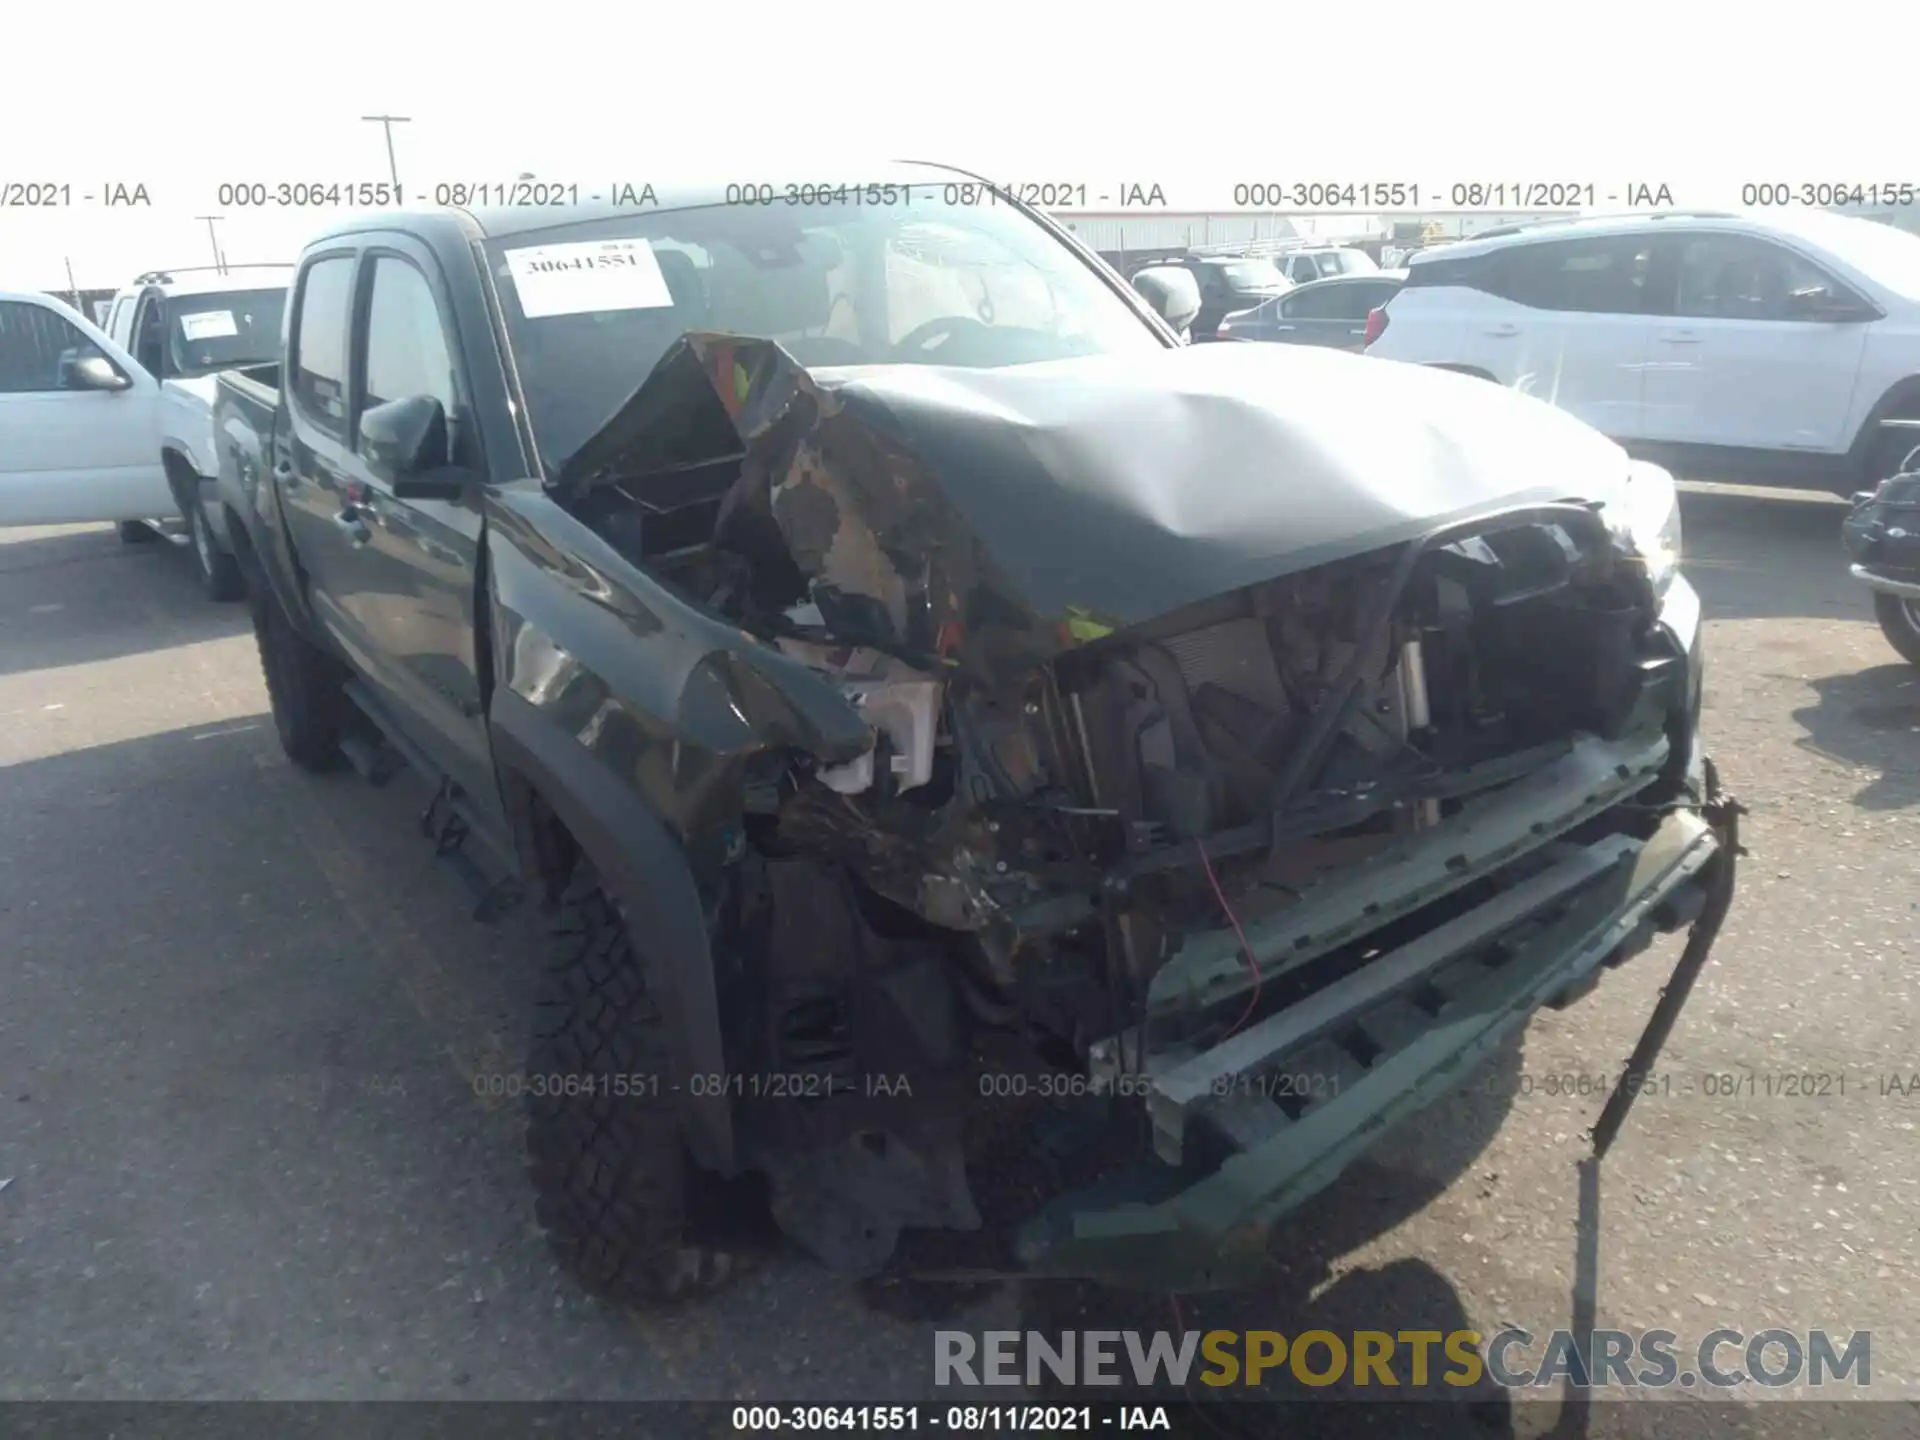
{"x":209,"y":280}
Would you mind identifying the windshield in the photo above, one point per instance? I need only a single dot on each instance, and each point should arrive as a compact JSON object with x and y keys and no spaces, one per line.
{"x":1254,"y":275}
{"x":218,"y":332}
{"x":1347,"y":262}
{"x":591,"y":307}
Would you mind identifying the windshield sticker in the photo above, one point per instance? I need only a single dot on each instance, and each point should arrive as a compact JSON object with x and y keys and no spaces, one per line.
{"x":588,"y":276}
{"x":209,"y":325}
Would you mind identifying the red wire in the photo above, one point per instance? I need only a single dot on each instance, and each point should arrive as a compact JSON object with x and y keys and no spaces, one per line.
{"x":1233,"y":920}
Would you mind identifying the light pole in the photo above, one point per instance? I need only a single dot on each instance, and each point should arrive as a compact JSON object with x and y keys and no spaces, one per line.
{"x":219,"y":260}
{"x":387,"y":122}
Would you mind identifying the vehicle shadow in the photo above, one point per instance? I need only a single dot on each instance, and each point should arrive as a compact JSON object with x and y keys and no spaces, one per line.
{"x":1760,"y":555}
{"x":1869,"y":718}
{"x":76,"y":596}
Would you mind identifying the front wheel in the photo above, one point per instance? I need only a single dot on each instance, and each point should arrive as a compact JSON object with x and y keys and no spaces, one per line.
{"x":613,"y":1182}
{"x":1900,"y":622}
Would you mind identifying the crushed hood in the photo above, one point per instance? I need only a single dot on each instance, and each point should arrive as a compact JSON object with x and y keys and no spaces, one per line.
{"x":998,"y":515}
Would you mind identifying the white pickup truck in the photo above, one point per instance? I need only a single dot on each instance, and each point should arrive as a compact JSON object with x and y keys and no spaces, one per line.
{"x":181,"y":327}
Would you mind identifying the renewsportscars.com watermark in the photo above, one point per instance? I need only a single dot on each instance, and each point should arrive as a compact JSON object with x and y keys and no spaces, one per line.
{"x":1513,"y":1359}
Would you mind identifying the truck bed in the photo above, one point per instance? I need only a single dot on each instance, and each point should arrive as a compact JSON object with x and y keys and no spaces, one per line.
{"x":258,"y":383}
{"x":245,"y":403}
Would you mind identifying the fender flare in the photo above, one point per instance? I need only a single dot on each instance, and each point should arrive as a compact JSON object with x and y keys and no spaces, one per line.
{"x":179,"y":468}
{"x":643,"y":864}
{"x":191,"y":486}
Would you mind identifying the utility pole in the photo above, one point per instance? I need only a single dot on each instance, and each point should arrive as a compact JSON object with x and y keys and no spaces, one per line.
{"x":219,"y":260}
{"x":387,"y":122}
{"x":73,"y":286}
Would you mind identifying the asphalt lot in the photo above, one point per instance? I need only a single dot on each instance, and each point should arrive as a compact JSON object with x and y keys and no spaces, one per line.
{"x":242,"y":1009}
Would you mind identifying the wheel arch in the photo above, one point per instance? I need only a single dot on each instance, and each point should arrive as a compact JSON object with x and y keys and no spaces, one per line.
{"x":561,"y":800}
{"x":1900,"y":402}
{"x":182,"y":479}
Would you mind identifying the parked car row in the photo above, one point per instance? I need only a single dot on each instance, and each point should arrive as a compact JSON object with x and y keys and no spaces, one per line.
{"x":1231,"y":283}
{"x":1322,"y":312}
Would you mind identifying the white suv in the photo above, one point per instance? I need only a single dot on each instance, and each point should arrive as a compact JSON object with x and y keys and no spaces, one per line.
{"x":1726,"y":344}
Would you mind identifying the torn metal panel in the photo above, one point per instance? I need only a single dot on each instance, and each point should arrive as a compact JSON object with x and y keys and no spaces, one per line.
{"x":998,"y":516}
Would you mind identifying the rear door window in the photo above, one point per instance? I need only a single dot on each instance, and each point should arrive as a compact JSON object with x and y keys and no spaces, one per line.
{"x":1319,"y":302}
{"x":1602,"y":275}
{"x":317,"y":385}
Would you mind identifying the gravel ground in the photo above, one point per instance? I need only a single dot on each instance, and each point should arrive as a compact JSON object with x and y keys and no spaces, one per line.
{"x":242,"y":1012}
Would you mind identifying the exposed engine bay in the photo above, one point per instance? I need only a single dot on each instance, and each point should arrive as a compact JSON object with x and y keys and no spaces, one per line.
{"x":1058,"y":796}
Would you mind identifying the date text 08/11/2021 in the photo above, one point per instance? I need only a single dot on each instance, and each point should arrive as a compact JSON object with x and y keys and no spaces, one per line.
{"x":953,"y":1419}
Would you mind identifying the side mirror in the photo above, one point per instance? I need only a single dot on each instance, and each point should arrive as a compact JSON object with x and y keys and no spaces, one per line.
{"x":1818,"y":302}
{"x":1172,"y":292}
{"x":405,"y":440}
{"x":90,"y":372}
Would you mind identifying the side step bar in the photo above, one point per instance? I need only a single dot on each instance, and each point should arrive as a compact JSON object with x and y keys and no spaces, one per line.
{"x":448,"y":820}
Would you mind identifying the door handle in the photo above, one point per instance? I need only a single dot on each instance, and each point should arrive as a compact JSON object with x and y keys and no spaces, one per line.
{"x":1680,"y":337}
{"x":1283,"y":329}
{"x":1502,"y":332}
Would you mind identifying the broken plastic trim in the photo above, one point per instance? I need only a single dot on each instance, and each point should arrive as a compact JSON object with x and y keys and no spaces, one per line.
{"x":1334,"y":711}
{"x":1213,"y":1233}
{"x":1594,"y":775}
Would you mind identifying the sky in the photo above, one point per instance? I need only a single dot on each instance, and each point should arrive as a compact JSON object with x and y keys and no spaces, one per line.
{"x":1702,"y":97}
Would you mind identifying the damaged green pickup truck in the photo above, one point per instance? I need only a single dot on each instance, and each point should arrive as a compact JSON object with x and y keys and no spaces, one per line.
{"x":880,"y":644}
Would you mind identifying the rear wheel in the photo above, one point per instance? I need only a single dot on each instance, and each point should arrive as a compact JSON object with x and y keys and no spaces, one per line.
{"x":304,"y":684}
{"x":1900,"y":622}
{"x":219,"y":571}
{"x":136,"y":532}
{"x":611,"y":1174}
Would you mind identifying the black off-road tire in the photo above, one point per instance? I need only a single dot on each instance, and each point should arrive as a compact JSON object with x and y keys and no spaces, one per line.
{"x":611,"y":1174}
{"x":1900,"y":623}
{"x":135,"y":532}
{"x":304,"y":684}
{"x":219,"y":572}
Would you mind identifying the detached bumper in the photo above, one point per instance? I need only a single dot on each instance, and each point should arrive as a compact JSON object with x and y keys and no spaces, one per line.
{"x":1293,"y":1099}
{"x":1430,"y":1012}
